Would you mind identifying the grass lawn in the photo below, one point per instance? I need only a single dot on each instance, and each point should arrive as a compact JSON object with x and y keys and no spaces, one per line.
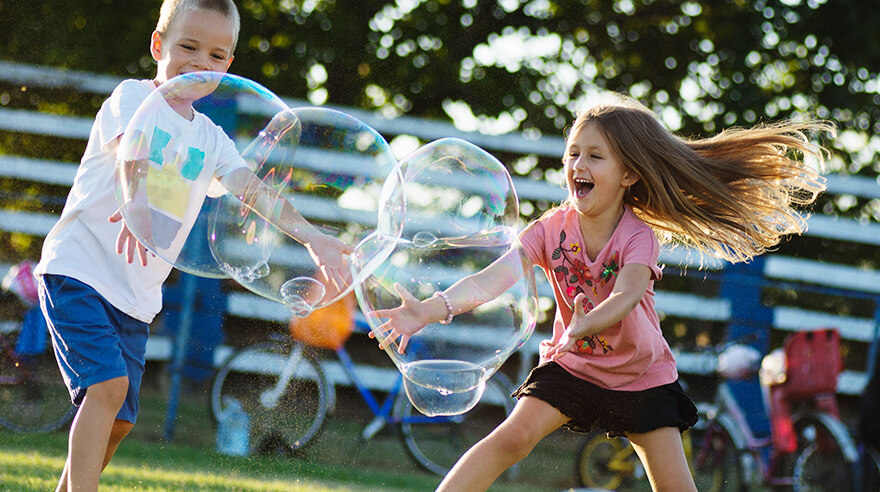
{"x":337,"y":461}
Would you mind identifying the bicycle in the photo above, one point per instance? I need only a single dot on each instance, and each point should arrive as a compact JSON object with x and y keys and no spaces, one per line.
{"x":809,"y":449}
{"x":284,"y":389}
{"x":611,"y":463}
{"x":33,"y":397}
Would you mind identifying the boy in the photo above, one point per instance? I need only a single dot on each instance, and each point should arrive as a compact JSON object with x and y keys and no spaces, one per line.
{"x":97,"y":301}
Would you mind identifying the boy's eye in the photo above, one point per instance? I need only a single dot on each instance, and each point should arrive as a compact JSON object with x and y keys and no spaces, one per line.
{"x":219,"y":57}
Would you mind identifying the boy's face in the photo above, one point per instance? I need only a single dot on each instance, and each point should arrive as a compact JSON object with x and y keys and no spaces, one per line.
{"x":200,"y":40}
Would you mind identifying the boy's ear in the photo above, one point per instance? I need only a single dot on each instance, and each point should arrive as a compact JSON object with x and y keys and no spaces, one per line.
{"x":156,"y":45}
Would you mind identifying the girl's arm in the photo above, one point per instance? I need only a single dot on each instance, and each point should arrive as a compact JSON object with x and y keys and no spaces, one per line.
{"x":629,"y":288}
{"x":326,"y":251}
{"x":412,"y":315}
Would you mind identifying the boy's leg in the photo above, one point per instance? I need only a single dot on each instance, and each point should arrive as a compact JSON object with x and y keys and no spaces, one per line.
{"x":91,"y":431}
{"x":531,"y":420}
{"x":100,"y":352}
{"x":120,"y":429}
{"x":662,"y":454}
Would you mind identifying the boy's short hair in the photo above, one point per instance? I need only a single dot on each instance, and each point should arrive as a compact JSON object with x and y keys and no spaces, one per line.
{"x":171,"y":10}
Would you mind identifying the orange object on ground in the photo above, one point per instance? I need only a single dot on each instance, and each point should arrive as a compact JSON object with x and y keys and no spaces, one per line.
{"x":328,"y":327}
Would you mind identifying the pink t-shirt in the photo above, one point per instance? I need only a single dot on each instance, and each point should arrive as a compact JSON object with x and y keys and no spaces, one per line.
{"x":631,"y":355}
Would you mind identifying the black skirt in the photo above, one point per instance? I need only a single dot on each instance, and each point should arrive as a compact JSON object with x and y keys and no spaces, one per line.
{"x":616,"y":412}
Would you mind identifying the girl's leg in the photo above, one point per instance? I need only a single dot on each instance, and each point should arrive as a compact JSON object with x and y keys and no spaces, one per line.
{"x":531,"y":420}
{"x":662,"y":454}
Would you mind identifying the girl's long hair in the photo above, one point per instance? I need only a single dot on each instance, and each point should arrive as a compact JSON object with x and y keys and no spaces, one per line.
{"x":731,"y":196}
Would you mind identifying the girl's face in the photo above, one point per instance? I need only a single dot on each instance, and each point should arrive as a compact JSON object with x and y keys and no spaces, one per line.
{"x":595,"y":177}
{"x":199,"y":40}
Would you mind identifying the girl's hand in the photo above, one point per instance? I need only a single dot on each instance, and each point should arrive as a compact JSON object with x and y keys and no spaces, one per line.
{"x":573,"y":332}
{"x":329,"y":254}
{"x":404,"y":321}
{"x":127,"y":241}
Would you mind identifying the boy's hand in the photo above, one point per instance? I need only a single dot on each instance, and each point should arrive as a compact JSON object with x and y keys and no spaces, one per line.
{"x":127,"y":241}
{"x":573,"y":332}
{"x":329,"y":254}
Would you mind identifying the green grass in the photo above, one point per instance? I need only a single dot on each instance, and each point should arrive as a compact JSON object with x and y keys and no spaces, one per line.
{"x":337,"y":461}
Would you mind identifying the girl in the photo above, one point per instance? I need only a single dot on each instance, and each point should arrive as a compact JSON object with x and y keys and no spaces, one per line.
{"x":632,"y":184}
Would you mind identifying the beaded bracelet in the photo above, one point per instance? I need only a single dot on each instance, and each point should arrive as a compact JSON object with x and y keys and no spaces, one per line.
{"x":448,"y":307}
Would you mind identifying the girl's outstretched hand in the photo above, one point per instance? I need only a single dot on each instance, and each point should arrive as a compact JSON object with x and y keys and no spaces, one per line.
{"x":573,"y":332}
{"x":404,"y":321}
{"x":127,"y":241}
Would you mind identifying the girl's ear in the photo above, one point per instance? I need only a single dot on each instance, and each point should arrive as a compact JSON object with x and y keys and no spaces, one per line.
{"x":629,"y":178}
{"x":156,"y":45}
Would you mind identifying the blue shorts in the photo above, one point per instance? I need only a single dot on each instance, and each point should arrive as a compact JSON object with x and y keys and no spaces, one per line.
{"x":93,"y":341}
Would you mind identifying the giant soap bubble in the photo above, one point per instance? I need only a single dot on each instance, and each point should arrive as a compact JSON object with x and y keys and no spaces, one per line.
{"x":331,"y":167}
{"x":461,"y":216}
{"x":169,"y":156}
{"x":328,"y":165}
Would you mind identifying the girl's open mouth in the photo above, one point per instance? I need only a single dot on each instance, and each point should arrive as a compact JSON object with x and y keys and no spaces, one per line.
{"x":582,"y":187}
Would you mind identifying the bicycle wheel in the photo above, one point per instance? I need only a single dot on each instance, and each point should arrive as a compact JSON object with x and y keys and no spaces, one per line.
{"x":291,"y":416}
{"x":869,"y":475}
{"x":608,"y":463}
{"x":33,"y":397}
{"x":437,"y":443}
{"x":822,"y":463}
{"x":715,"y":460}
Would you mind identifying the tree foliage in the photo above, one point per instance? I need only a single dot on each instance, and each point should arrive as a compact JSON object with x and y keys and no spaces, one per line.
{"x":524,"y":65}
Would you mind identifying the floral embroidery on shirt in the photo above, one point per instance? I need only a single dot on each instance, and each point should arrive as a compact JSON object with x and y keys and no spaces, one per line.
{"x":573,"y":275}
{"x":610,"y":269}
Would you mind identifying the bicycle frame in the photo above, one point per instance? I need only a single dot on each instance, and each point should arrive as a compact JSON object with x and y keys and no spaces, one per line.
{"x":382,"y":411}
{"x":749,"y":447}
{"x":809,"y":381}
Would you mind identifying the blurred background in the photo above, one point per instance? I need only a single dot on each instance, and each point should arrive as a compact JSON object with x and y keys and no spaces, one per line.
{"x":508,"y":75}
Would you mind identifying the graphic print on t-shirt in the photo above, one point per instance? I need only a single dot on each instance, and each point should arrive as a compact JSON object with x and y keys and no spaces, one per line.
{"x":170,"y":180}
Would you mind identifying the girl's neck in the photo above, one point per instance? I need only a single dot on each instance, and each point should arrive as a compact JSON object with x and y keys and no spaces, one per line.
{"x":596,"y":230}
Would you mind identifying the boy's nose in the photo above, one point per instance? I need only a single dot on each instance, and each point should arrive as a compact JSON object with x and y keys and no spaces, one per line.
{"x":202,"y":62}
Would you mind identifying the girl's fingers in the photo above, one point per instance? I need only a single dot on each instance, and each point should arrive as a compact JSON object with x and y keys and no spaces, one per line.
{"x":404,"y":294}
{"x":404,"y":341}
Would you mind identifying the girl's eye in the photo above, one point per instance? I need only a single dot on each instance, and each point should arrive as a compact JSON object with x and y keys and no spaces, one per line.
{"x":187,"y":47}
{"x":595,"y":156}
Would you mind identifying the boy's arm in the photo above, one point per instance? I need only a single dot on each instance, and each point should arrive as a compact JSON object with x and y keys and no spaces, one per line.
{"x":134,"y":201}
{"x":326,"y":251}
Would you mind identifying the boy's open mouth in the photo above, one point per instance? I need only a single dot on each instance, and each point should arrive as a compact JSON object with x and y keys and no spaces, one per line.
{"x":582,"y":187}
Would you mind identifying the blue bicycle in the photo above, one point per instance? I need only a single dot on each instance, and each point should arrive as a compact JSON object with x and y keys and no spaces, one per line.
{"x":285,"y":391}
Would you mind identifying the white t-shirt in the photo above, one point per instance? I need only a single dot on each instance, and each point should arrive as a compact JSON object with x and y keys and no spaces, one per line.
{"x":82,"y":244}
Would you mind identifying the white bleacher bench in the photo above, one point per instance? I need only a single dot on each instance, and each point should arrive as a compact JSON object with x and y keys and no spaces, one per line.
{"x":685,"y":305}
